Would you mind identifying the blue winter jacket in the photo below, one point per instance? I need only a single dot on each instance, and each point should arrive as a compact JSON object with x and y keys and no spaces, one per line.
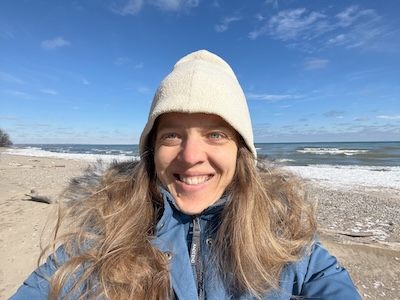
{"x":186,"y":240}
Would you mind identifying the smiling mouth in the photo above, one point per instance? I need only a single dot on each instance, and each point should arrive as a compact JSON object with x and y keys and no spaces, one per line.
{"x":194,"y":179}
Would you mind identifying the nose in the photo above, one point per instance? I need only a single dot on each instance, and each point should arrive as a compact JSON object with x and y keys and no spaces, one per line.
{"x":192,"y":151}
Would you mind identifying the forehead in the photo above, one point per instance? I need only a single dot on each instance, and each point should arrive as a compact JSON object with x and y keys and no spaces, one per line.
{"x":184,"y":120}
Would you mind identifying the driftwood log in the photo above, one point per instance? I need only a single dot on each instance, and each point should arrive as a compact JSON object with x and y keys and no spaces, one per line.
{"x":348,"y":233}
{"x":36,"y":197}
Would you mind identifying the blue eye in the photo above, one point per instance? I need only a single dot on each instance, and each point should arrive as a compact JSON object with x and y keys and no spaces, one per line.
{"x":216,"y":135}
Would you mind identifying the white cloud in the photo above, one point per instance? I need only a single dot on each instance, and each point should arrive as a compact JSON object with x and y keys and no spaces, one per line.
{"x":396,"y":117}
{"x":130,"y":7}
{"x":55,"y":43}
{"x":315,"y":63}
{"x":338,"y":40}
{"x":143,"y":90}
{"x":293,"y":24}
{"x":139,"y":65}
{"x":269,"y":97}
{"x":273,"y":3}
{"x":48,"y":91}
{"x":133,"y":7}
{"x":352,"y":27}
{"x":351,"y":14}
{"x":259,"y":17}
{"x":174,"y":5}
{"x":126,"y":61}
{"x":224,"y":25}
{"x":18,"y":94}
{"x":122,"y":61}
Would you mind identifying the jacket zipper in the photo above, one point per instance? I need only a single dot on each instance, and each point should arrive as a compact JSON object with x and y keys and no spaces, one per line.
{"x":195,"y":256}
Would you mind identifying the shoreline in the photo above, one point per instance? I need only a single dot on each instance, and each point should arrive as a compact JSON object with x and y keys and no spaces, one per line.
{"x":358,"y":224}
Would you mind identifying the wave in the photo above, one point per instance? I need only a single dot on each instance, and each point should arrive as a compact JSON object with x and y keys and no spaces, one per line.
{"x":90,"y":157}
{"x":332,"y":151}
{"x":353,"y":177}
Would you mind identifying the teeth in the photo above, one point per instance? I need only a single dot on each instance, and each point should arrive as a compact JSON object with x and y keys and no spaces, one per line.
{"x":193,"y":180}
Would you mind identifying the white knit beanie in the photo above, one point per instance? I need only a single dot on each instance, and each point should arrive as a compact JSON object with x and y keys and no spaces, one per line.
{"x":202,"y":82}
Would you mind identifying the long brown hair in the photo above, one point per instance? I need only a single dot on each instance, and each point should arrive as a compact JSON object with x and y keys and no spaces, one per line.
{"x":266,"y":224}
{"x":109,"y":234}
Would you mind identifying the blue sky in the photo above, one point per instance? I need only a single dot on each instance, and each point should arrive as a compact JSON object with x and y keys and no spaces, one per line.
{"x":86,"y":71}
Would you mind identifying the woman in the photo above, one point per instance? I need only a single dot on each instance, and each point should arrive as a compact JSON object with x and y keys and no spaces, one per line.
{"x":197,"y":217}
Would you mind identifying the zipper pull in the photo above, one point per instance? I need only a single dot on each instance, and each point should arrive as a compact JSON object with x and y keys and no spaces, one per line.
{"x":195,"y":248}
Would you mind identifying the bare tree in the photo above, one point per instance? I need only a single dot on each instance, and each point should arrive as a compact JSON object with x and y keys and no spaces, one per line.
{"x":5,"y":140}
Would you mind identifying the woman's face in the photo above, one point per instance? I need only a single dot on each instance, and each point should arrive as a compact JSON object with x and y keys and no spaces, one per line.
{"x":195,"y":158}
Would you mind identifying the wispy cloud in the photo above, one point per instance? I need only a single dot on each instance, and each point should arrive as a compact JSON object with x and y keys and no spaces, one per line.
{"x":259,"y":17}
{"x":363,"y":26}
{"x":8,"y":118}
{"x":290,"y":24}
{"x":361,"y":119}
{"x":130,"y":7}
{"x":334,"y":114}
{"x":174,"y":5}
{"x":18,"y":94}
{"x":224,"y":25}
{"x":139,"y":65}
{"x":271,"y":97}
{"x":48,"y":91}
{"x":351,"y":14}
{"x":10,"y":78}
{"x":366,"y":74}
{"x":315,"y":63}
{"x":215,"y":4}
{"x":395,"y":117}
{"x":350,"y":28}
{"x":143,"y":90}
{"x":133,"y":7}
{"x":122,"y":61}
{"x":30,"y":125}
{"x":273,"y":3}
{"x":7,"y":34}
{"x":126,"y":61}
{"x":55,"y":43}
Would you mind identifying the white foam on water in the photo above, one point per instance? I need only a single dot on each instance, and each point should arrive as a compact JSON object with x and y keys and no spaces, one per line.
{"x":351,"y":176}
{"x":332,"y":151}
{"x":74,"y":156}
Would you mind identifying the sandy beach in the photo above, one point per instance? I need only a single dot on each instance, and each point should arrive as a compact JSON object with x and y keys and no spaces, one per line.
{"x":358,"y":224}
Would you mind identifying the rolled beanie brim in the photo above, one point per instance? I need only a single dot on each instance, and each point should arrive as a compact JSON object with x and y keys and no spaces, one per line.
{"x":202,"y":82}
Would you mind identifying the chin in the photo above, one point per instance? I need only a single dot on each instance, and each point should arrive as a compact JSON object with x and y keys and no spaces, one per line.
{"x":190,"y":210}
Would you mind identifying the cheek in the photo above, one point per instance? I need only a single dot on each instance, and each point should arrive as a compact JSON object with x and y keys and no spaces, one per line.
{"x":161,"y":162}
{"x":227,"y":162}
{"x":158,"y":160}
